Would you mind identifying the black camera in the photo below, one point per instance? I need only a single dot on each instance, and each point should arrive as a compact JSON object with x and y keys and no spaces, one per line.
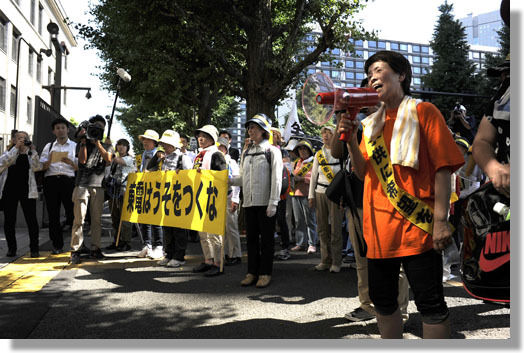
{"x":93,"y":131}
{"x":457,"y":108}
{"x":27,"y":143}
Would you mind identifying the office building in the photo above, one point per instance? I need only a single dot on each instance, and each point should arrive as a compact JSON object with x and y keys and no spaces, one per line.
{"x":24,"y":66}
{"x":481,"y":30}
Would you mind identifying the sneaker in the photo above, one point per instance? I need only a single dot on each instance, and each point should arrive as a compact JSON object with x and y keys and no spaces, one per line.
{"x":297,"y":248}
{"x":175,"y":263}
{"x":35,"y":254}
{"x":284,"y":254}
{"x":97,"y":254}
{"x":75,"y":258}
{"x":146,"y":250}
{"x":359,"y":314}
{"x":203,"y":267}
{"x":248,"y":280}
{"x":213,"y":271}
{"x":311,"y":249}
{"x":157,"y":253}
{"x":164,"y":261}
{"x":321,"y":267}
{"x":334,"y":269}
{"x":263,"y":281}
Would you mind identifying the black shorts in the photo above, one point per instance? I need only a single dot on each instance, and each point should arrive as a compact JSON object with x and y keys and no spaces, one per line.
{"x":424,"y":273}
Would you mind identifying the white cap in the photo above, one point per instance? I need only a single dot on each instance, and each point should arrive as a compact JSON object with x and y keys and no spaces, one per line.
{"x":171,"y":138}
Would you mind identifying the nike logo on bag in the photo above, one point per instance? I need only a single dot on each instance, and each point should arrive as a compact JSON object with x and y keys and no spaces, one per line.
{"x":496,"y":243}
{"x":488,"y":265}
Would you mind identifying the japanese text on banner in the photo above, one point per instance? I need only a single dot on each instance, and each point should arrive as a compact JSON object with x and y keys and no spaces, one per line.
{"x":189,"y":199}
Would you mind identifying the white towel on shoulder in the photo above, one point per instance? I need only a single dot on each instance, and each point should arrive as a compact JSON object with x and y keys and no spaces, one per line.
{"x":405,"y":139}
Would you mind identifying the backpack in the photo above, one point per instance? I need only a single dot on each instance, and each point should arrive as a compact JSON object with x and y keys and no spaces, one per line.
{"x":485,"y":255}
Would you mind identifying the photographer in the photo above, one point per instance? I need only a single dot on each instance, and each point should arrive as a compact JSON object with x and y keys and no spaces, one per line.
{"x":18,"y":184}
{"x":460,"y":123}
{"x":93,"y":155}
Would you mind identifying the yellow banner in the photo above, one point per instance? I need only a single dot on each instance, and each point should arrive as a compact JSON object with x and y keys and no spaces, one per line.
{"x":189,"y":199}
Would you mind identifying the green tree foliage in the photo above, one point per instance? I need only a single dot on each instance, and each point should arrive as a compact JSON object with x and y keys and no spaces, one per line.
{"x":490,"y":84}
{"x":186,"y":55}
{"x":452,"y":71}
{"x":308,"y":127}
{"x":137,"y":121}
{"x":167,"y":75}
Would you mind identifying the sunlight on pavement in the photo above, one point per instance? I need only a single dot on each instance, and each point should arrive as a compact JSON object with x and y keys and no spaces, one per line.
{"x":28,"y":274}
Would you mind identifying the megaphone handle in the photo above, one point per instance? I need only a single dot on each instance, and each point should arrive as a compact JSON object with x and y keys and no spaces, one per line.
{"x":345,"y":136}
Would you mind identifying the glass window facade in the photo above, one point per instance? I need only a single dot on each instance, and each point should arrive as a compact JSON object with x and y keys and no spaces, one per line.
{"x":2,"y":93}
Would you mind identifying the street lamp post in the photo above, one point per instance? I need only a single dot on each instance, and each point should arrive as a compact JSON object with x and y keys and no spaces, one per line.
{"x":53,"y":30}
{"x":122,"y":76}
{"x":56,"y":88}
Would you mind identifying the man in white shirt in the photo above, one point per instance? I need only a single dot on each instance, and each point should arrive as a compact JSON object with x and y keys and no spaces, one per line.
{"x":59,"y":161}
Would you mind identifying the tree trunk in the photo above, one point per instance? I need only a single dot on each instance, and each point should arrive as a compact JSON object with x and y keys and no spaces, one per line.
{"x":259,"y":48}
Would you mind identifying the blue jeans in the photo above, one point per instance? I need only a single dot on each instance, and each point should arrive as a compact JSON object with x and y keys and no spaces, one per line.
{"x":305,"y":222}
{"x":152,"y":234}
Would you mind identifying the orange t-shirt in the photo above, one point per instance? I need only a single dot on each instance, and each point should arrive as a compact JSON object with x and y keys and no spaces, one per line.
{"x":387,"y":233}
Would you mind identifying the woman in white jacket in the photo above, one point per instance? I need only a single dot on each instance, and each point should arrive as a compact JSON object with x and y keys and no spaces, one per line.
{"x":261,"y":181}
{"x":18,"y":184}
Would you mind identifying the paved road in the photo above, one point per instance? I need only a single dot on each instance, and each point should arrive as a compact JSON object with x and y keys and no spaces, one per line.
{"x":126,"y":297}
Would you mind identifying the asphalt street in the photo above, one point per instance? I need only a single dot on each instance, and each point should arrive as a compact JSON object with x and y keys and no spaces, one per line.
{"x":125,"y":297}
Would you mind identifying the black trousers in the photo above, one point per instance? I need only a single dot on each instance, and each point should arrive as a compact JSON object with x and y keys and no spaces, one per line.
{"x":175,"y":243}
{"x":260,"y":231}
{"x":29,"y":209}
{"x":58,"y":190}
{"x":282,"y":224}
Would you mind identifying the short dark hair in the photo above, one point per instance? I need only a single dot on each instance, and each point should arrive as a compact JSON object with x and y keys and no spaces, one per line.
{"x":234,"y":153}
{"x":58,"y":121}
{"x":96,"y":118}
{"x":225,"y":132}
{"x":123,"y":142}
{"x":397,"y":62}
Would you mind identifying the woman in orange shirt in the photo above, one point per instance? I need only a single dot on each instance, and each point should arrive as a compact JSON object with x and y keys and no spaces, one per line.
{"x":421,"y":156}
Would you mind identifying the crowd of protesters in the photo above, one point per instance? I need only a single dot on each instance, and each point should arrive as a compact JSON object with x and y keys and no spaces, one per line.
{"x":277,"y":190}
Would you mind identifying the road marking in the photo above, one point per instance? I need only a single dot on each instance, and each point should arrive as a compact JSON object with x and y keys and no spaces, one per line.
{"x":26,"y":274}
